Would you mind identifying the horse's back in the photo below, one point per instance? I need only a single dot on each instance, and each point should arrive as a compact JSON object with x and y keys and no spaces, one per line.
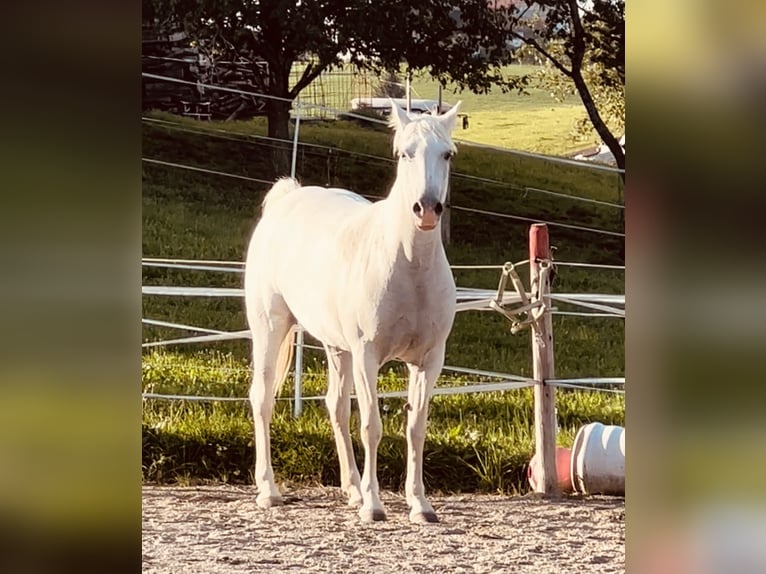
{"x":303,"y":221}
{"x":316,"y":203}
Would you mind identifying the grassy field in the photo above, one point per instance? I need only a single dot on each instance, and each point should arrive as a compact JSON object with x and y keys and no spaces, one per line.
{"x":475,"y":441}
{"x":532,"y":121}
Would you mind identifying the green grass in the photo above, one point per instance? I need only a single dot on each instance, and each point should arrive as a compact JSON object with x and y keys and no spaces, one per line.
{"x":474,"y":441}
{"x":532,"y":121}
{"x":241,"y":152}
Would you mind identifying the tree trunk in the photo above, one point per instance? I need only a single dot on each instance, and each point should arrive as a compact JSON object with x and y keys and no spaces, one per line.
{"x":278,"y":114}
{"x":595,"y":118}
{"x":577,"y":58}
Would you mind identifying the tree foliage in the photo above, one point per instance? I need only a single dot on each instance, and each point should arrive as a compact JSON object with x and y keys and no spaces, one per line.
{"x":608,"y":94}
{"x":466,"y":42}
{"x":463,"y":42}
{"x":584,"y":42}
{"x":277,"y":33}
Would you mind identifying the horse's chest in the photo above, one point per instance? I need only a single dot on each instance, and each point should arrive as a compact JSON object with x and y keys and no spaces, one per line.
{"x":411,"y":318}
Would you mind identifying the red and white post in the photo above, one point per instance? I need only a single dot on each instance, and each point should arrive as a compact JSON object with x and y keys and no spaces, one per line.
{"x":542,"y":365}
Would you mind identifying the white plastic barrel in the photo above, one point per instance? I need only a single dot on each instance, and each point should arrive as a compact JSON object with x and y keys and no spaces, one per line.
{"x":598,"y":460}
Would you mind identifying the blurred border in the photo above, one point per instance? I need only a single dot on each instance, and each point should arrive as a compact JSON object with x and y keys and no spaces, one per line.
{"x":696,"y":327}
{"x":696,"y":320}
{"x":70,"y":491}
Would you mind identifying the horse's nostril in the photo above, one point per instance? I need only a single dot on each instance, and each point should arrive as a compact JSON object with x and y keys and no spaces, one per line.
{"x":438,"y":208}
{"x":417,"y":208}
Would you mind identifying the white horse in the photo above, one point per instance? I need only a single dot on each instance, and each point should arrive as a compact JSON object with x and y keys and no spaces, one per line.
{"x":370,"y":281}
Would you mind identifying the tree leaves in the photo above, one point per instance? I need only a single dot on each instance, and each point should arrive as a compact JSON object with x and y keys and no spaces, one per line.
{"x":587,"y":45}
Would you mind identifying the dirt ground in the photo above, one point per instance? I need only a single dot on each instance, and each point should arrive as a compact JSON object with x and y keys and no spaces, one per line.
{"x":219,"y":529}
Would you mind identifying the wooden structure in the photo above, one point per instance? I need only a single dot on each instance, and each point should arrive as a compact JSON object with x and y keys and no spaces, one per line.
{"x":542,"y":359}
{"x":173,"y":56}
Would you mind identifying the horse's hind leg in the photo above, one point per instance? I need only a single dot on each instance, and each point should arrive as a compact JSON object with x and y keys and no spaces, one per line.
{"x":270,"y":328}
{"x":340,"y":377}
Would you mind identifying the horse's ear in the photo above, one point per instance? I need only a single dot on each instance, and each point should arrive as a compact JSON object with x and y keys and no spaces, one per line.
{"x":398,"y":118}
{"x":448,"y":119}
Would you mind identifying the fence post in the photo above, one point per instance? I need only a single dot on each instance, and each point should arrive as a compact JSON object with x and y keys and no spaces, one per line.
{"x":408,"y":89}
{"x":542,"y":365}
{"x":446,"y":217}
{"x":297,"y":105}
{"x":298,"y":404}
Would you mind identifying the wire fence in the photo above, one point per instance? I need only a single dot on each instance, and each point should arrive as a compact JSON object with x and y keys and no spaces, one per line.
{"x":451,"y":205}
{"x":468,"y":299}
{"x":508,"y":186}
{"x":367,"y":118}
{"x":330,"y":154}
{"x":610,"y":305}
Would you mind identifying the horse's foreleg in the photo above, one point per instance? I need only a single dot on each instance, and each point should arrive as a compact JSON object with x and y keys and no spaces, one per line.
{"x":339,"y":380}
{"x":365,"y":382}
{"x":268,"y":336}
{"x":422,"y":381}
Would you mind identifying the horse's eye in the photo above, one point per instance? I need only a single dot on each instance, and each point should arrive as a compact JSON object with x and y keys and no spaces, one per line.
{"x":448,"y":155}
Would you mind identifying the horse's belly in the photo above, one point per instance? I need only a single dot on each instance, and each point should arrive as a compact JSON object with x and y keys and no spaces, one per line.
{"x":324,"y":327}
{"x":407,"y":334}
{"x":313,"y":309}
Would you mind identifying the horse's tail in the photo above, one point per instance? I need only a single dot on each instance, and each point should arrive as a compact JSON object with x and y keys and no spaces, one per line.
{"x":284,"y":358}
{"x":279,"y":190}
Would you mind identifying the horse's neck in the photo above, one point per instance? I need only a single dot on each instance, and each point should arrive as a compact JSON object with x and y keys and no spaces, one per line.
{"x":402,"y":237}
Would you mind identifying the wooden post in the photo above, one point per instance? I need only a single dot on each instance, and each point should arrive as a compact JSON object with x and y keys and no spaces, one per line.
{"x":446,"y":216}
{"x":408,"y":88}
{"x":542,"y":366}
{"x":446,"y":236}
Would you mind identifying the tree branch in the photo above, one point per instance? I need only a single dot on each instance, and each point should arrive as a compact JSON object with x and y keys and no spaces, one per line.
{"x":578,"y":40}
{"x":577,"y":57}
{"x":595,"y":117}
{"x":521,"y":14}
{"x":532,"y":42}
{"x":310,"y":73}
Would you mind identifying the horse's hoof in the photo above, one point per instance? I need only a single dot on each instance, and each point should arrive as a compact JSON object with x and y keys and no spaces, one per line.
{"x":372,"y":515}
{"x":269,"y":501}
{"x":355,"y":499}
{"x":423,"y":517}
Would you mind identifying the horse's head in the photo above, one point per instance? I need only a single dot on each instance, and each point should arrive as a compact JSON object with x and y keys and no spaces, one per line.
{"x":424,"y":147}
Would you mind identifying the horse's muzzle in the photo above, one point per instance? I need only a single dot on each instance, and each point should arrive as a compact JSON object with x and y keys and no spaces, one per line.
{"x":427,"y":212}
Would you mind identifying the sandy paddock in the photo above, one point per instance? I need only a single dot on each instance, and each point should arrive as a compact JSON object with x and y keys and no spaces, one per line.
{"x":219,"y":529}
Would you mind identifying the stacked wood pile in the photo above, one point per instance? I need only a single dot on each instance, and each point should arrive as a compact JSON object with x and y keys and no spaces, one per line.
{"x":172,"y":56}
